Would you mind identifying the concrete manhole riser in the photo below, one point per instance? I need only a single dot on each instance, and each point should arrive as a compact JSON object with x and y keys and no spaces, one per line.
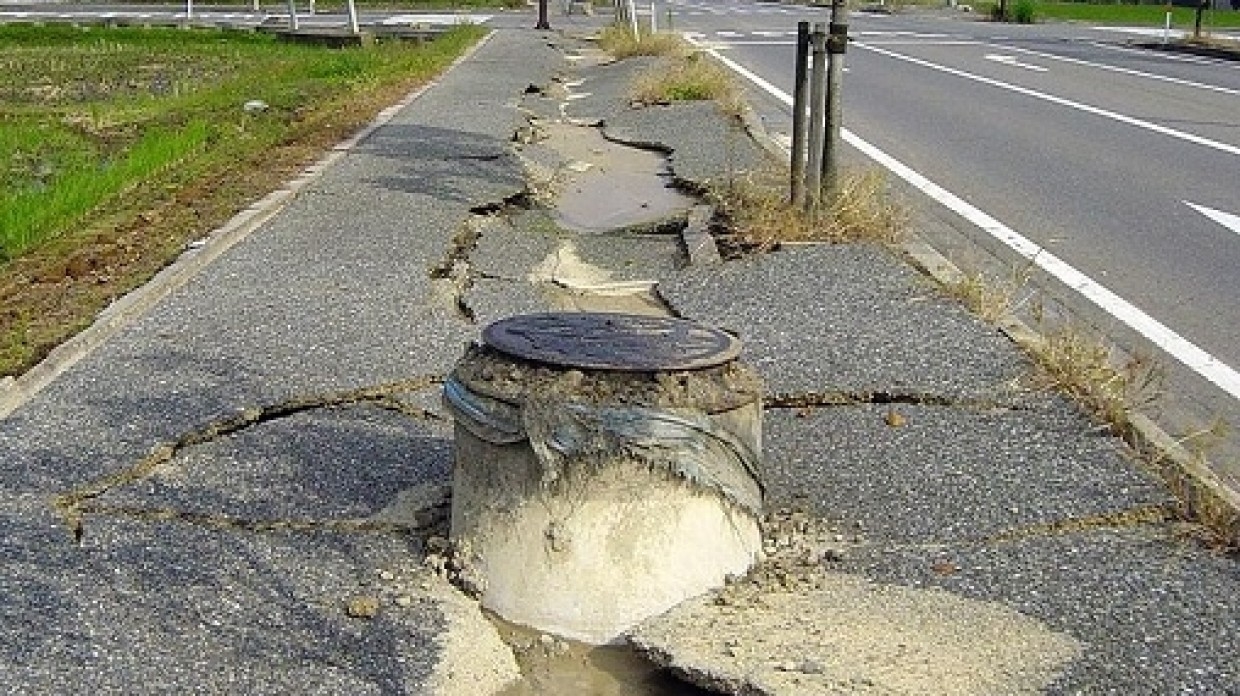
{"x":586,"y":501}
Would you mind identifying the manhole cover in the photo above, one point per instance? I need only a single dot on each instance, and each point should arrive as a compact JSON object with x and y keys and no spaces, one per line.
{"x":601,"y":341}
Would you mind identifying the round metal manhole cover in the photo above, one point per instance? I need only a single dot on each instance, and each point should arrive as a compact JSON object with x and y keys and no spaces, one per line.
{"x":602,"y":341}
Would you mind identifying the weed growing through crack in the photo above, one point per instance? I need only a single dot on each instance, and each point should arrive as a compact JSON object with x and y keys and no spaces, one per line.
{"x":1080,"y":364}
{"x":691,"y":77}
{"x":620,"y":42}
{"x":760,"y":216}
{"x":990,"y":298}
{"x":1213,"y":508}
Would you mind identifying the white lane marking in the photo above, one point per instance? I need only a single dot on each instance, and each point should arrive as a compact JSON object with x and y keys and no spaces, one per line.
{"x":1171,"y":57}
{"x":729,"y":34}
{"x":1012,"y":62}
{"x":1105,"y":113}
{"x":1180,"y":348}
{"x":448,"y":19}
{"x":1117,"y":69}
{"x":922,"y":42}
{"x":1228,"y":220}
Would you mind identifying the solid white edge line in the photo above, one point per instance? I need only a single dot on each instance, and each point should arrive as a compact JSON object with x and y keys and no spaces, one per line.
{"x":1163,"y":130}
{"x":1180,"y":348}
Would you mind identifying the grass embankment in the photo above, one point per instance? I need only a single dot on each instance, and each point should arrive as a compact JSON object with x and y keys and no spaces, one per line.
{"x":1141,"y":15}
{"x":1150,"y":15}
{"x":121,"y":145}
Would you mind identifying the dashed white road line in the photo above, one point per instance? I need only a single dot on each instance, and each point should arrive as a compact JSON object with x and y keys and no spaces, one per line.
{"x":1183,"y":350}
{"x":1012,"y":62}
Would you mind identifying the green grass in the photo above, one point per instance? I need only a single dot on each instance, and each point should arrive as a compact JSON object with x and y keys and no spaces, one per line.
{"x":90,"y":116}
{"x":1150,"y":15}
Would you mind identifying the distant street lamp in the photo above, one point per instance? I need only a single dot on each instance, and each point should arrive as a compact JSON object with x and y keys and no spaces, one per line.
{"x":542,"y":16}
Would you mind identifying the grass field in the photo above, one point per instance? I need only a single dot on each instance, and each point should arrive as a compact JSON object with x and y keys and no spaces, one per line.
{"x":118,"y":146}
{"x":1124,"y":14}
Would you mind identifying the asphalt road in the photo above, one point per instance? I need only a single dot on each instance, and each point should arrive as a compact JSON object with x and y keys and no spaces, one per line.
{"x":1122,"y":164}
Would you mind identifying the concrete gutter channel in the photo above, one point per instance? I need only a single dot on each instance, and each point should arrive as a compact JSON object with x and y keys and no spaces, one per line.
{"x":242,"y":487}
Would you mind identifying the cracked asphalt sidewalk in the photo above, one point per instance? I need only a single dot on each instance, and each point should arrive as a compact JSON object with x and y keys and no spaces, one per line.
{"x":239,"y":489}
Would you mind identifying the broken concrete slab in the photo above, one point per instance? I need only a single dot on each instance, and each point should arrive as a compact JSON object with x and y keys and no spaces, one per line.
{"x":938,"y":474}
{"x":848,"y":635}
{"x":835,"y":319}
{"x":1153,"y":611}
{"x":706,"y":147}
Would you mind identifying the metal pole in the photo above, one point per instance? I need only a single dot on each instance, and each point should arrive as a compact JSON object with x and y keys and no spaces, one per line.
{"x":799,"y":115}
{"x":352,"y":8}
{"x":543,"y":22}
{"x":837,"y":44}
{"x":632,"y":12}
{"x":189,"y":9}
{"x":1201,"y":10}
{"x":292,"y":15}
{"x":654,"y":27}
{"x":817,"y":121}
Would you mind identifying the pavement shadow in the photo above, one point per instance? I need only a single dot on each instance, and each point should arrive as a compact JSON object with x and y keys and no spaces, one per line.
{"x":446,"y":164}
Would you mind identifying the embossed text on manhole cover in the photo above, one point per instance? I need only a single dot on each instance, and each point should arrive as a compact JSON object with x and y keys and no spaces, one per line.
{"x":603,"y":341}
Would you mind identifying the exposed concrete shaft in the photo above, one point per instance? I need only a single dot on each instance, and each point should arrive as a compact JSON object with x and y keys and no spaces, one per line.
{"x":583,"y":512}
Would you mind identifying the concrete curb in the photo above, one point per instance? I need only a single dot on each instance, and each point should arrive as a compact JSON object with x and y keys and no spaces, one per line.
{"x":134,"y":305}
{"x":1193,"y":483}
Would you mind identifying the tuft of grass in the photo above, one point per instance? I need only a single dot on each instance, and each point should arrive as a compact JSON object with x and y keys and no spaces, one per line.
{"x":620,"y":42}
{"x":1076,"y":362}
{"x":1212,"y":509}
{"x":691,"y":77}
{"x":989,"y":298}
{"x":760,"y":216}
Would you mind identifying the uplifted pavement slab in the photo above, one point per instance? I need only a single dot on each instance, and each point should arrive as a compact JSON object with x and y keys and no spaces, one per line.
{"x":850,"y":320}
{"x":845,"y":635}
{"x":936,"y":474}
{"x":705,"y":146}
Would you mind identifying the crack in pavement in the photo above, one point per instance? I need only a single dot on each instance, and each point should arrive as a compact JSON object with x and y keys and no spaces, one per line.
{"x":1136,"y":516}
{"x":74,"y":505}
{"x":812,"y":400}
